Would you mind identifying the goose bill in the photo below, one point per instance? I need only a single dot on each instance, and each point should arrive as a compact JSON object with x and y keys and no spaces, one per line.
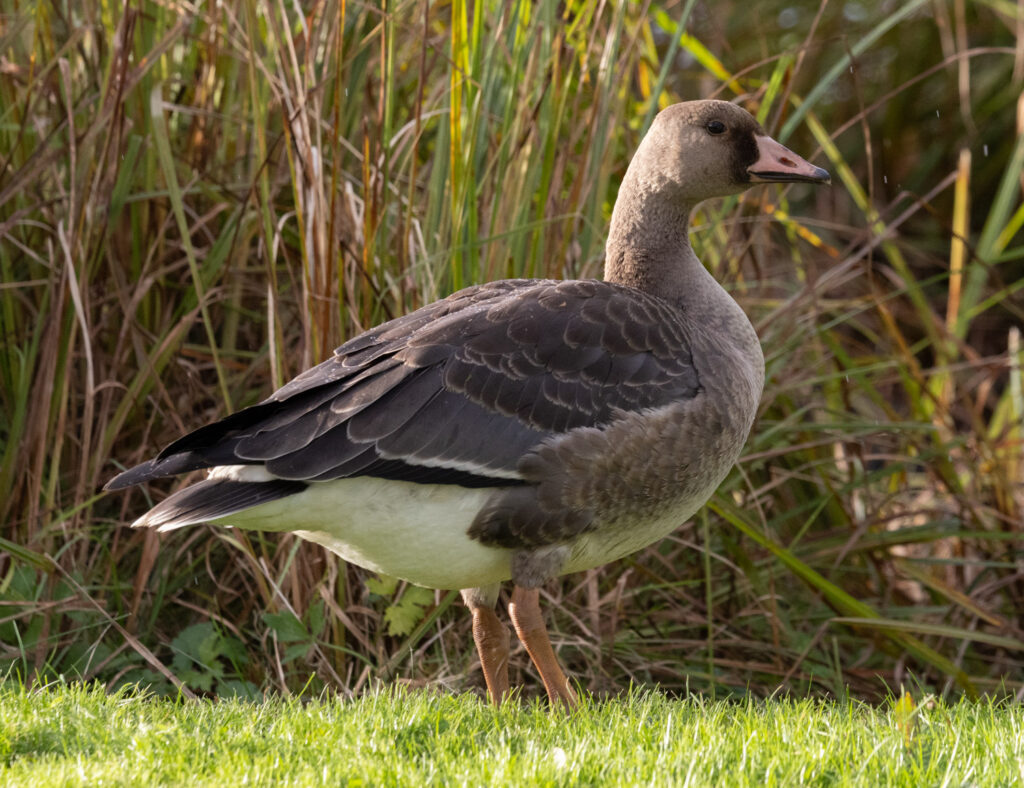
{"x":778,"y":164}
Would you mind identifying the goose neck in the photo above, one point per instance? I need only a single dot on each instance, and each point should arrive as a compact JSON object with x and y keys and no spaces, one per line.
{"x":648,"y":243}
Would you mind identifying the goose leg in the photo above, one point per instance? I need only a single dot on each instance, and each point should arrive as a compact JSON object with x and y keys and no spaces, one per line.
{"x":529,"y":623}
{"x":492,"y":640}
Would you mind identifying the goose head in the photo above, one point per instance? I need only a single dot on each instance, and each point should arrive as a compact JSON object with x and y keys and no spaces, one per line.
{"x":702,"y":149}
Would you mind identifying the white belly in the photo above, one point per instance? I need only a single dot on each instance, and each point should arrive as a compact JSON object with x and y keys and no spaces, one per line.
{"x":413,"y":531}
{"x":418,"y":532}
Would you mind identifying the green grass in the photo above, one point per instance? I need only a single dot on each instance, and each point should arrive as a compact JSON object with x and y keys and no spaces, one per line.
{"x":73,"y":735}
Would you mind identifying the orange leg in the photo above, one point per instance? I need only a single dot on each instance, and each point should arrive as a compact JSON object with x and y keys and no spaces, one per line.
{"x":492,"y":638}
{"x":529,"y":623}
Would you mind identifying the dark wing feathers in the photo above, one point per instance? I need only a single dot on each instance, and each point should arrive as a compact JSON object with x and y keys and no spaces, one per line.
{"x":319,"y":458}
{"x":213,"y":498}
{"x":458,"y":391}
{"x":430,"y":425}
{"x":281,"y":440}
{"x":366,"y":456}
{"x":397,"y":408}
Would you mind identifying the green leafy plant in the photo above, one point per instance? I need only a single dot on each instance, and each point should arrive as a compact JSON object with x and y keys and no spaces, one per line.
{"x":206,"y":659}
{"x":407,"y":610}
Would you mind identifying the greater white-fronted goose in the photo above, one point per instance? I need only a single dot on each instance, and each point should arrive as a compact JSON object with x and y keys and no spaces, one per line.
{"x":521,"y":429}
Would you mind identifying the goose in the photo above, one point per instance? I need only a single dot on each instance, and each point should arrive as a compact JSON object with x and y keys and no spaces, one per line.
{"x":520,"y":429}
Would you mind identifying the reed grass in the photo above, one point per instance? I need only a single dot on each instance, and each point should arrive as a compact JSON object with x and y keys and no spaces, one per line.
{"x":197,"y":202}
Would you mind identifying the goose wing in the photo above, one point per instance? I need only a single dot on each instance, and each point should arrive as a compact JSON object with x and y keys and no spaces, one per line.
{"x":458,"y":391}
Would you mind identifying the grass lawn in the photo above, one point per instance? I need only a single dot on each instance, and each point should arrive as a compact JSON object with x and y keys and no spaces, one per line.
{"x":73,"y":735}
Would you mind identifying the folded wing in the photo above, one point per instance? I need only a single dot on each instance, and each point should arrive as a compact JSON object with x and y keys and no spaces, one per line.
{"x":456,"y":392}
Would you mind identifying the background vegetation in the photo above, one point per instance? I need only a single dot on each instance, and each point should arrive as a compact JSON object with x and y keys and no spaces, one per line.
{"x":197,"y":201}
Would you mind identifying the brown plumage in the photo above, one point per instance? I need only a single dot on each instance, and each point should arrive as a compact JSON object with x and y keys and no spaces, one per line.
{"x":520,"y":429}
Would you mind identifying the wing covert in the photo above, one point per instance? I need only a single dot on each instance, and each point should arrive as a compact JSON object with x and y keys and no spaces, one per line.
{"x":464,"y":387}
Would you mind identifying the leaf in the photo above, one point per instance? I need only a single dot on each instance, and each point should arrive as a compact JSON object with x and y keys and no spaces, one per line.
{"x":315,"y":617}
{"x":196,"y":679}
{"x":903,"y":716}
{"x":402,"y":616}
{"x":210,"y":650}
{"x":233,"y":650}
{"x":38,"y":560}
{"x":190,"y":641}
{"x":286,"y":626}
{"x":925,"y":628}
{"x":294,"y":651}
{"x":382,"y":585}
{"x":243,"y":690}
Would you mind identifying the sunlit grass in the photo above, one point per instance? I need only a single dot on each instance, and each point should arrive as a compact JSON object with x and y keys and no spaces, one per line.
{"x":75,"y":736}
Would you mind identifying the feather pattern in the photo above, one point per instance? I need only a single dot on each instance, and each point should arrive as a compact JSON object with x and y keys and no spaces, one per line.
{"x":519,"y":360}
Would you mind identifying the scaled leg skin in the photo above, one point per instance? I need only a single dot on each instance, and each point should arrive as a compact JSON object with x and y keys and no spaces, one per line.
{"x":529,"y":623}
{"x":492,"y":641}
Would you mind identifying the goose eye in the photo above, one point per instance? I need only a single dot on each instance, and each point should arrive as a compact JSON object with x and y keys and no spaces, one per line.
{"x":716,"y":127}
